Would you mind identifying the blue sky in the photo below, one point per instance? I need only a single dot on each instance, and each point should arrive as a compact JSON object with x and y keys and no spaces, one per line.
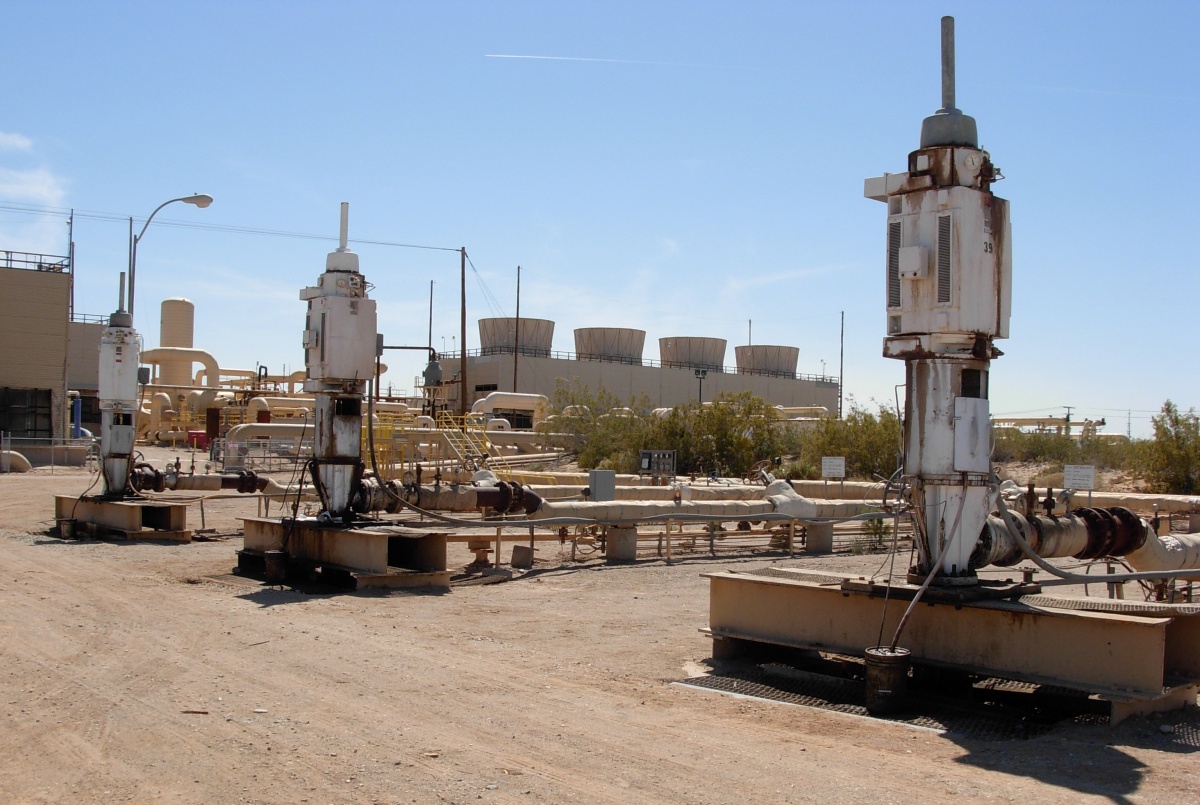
{"x":684,"y":167}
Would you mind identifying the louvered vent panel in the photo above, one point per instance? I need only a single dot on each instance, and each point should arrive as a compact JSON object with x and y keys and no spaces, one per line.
{"x":894,"y":264}
{"x":943,"y":259}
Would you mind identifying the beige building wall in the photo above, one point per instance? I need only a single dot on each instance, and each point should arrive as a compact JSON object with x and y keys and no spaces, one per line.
{"x":83,"y":356}
{"x":665,"y":387}
{"x":34,"y":307}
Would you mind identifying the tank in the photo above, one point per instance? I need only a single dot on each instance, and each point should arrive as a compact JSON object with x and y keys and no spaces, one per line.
{"x":177,"y":329}
{"x":767,"y":359}
{"x":499,"y":336}
{"x":690,"y":352}
{"x":610,"y":344}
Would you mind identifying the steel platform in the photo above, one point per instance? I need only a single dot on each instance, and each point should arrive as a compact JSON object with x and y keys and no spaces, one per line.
{"x":128,"y":519}
{"x":375,"y":555}
{"x":1140,"y":658}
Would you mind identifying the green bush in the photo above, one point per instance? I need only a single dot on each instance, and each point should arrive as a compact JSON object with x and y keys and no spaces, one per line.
{"x":729,"y":435}
{"x":1015,"y":445}
{"x":736,"y":430}
{"x":869,"y":441}
{"x":599,"y":430}
{"x":1171,"y":462}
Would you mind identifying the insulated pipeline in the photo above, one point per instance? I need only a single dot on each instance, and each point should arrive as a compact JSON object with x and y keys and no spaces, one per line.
{"x":1075,"y":578}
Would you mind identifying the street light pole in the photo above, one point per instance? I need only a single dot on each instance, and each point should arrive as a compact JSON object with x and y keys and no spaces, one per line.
{"x":700,"y":375}
{"x":200,"y":200}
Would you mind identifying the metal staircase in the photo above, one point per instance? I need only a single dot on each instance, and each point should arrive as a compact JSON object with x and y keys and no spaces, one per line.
{"x":467,"y":438}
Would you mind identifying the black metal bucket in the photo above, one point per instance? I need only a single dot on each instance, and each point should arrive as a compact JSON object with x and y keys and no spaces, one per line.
{"x":887,"y":678}
{"x":275,"y":566}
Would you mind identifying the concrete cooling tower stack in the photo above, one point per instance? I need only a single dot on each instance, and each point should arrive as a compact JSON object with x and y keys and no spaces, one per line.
{"x":767,"y":359}
{"x":500,"y":336}
{"x":687,"y":352}
{"x":610,"y":344}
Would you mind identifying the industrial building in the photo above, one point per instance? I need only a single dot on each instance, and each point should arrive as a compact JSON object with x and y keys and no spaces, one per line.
{"x":48,"y":349}
{"x":35,"y":297}
{"x":518,"y":355}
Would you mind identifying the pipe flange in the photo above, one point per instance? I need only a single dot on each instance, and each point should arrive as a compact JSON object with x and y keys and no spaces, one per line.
{"x":1095,"y":536}
{"x":518,"y":497}
{"x":1131,"y":531}
{"x":1101,"y":531}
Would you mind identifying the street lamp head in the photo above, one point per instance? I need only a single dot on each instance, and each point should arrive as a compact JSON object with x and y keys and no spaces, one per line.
{"x":201,"y":200}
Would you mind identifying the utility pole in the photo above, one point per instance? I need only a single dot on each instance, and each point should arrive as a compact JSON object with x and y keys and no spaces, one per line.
{"x":841,"y":364}
{"x":517,"y":337}
{"x":71,"y":259}
{"x":462,"y":353}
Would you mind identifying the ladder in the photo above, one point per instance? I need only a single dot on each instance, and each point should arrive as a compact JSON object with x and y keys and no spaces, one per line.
{"x":467,"y":437}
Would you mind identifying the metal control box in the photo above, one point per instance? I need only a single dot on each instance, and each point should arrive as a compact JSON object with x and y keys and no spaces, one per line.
{"x":340,"y":338}
{"x":603,"y":484}
{"x":951,"y":248}
{"x":118,"y":376}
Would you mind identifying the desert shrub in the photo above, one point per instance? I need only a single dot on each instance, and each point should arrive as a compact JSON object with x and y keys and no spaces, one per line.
{"x":801,"y":471}
{"x":1059,"y":449}
{"x":1016,"y":445}
{"x":729,"y":434}
{"x":597,"y":428}
{"x":1171,"y":461}
{"x":1109,"y":454}
{"x":874,"y":537}
{"x":869,"y":440}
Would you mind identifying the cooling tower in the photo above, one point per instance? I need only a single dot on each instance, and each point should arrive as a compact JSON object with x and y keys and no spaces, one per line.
{"x":611,"y":344}
{"x":767,"y":359}
{"x":499,"y":336}
{"x":692,"y":353}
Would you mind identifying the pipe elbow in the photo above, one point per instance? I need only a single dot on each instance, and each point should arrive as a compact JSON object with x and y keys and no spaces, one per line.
{"x":533,"y":501}
{"x":1167,"y":552}
{"x":16,"y":461}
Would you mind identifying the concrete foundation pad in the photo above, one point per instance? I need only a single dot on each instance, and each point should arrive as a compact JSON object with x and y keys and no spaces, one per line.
{"x":620,"y":544}
{"x":132,"y":519}
{"x":399,"y":579}
{"x":1137,"y":661}
{"x":374,"y":555}
{"x":819,"y":538}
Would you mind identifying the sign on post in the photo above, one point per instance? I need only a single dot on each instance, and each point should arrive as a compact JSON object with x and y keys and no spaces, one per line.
{"x":833,"y":466}
{"x":1079,"y":477}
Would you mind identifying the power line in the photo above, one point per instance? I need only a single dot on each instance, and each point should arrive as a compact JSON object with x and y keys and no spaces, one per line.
{"x":95,"y":215}
{"x":490,"y":298}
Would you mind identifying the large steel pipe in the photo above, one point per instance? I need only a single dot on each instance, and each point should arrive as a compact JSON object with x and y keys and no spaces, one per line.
{"x":1087,"y":533}
{"x":1167,"y":552}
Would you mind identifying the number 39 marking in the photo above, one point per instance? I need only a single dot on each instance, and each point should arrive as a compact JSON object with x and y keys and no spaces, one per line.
{"x":987,"y":247}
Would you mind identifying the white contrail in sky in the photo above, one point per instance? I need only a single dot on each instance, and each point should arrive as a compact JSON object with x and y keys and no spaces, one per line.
{"x":581,"y":58}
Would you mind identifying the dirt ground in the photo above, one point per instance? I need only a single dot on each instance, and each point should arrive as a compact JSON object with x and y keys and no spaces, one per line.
{"x":146,"y":672}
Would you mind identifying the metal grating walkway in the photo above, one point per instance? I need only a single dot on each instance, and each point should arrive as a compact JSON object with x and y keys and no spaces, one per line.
{"x":962,"y":717}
